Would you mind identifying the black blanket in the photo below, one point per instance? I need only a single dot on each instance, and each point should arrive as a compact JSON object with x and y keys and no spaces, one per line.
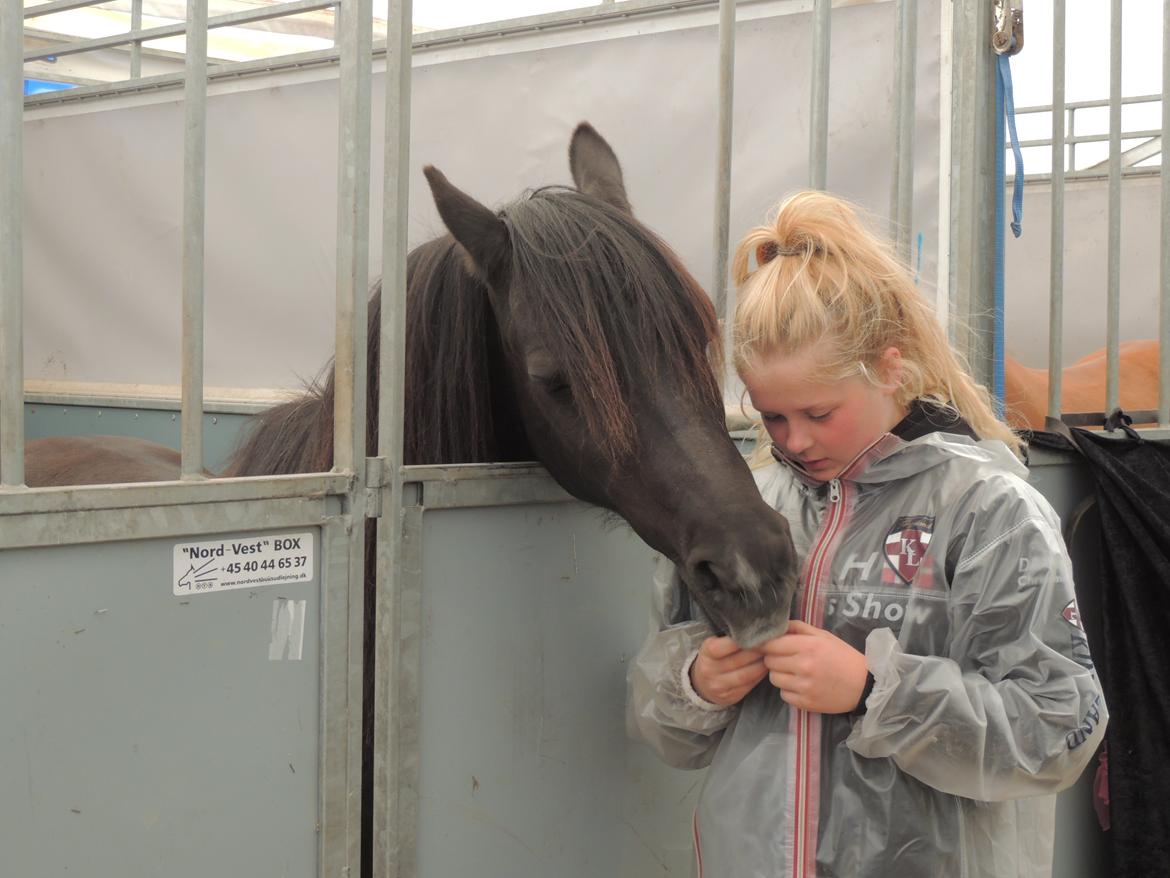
{"x":1132,"y":486}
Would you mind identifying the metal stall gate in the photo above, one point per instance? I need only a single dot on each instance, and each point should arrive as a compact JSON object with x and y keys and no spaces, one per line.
{"x":180,"y":662}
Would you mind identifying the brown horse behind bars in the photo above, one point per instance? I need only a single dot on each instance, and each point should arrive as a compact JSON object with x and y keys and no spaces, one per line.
{"x":1083,"y":385}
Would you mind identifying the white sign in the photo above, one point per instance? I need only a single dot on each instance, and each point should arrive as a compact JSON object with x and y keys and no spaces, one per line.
{"x":242,"y":562}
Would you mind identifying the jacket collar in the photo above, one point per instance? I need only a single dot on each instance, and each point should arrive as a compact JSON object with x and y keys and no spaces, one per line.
{"x":929,"y":435}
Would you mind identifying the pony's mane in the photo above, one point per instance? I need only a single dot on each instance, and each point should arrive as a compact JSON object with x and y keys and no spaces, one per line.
{"x":566,"y":247}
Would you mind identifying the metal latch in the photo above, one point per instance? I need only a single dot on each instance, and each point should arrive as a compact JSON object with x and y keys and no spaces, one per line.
{"x":1008,"y":38}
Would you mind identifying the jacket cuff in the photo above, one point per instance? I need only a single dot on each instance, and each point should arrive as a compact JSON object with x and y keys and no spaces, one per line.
{"x":688,"y":687}
{"x":859,"y":710}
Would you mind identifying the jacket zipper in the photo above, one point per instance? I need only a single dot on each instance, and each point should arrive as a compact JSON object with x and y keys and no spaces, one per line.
{"x":836,"y":515}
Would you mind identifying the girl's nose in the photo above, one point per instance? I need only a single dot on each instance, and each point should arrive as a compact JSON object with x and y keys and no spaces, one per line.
{"x":798,"y":440}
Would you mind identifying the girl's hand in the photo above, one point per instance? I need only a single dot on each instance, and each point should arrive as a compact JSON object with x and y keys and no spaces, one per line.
{"x":723,"y":673}
{"x":815,"y":670}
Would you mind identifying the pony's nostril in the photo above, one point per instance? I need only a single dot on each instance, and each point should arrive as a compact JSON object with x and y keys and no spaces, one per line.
{"x":704,"y":574}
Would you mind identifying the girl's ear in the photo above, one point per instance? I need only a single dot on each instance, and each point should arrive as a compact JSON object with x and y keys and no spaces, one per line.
{"x":891,"y":369}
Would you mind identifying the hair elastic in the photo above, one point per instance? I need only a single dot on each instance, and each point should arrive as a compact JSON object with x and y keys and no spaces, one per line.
{"x":769,"y":250}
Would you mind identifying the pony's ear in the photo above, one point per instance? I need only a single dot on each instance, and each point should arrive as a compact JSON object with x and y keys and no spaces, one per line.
{"x":479,"y":231}
{"x":595,"y":168}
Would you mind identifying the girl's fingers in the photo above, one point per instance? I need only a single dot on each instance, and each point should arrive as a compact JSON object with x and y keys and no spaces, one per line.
{"x":719,"y":647}
{"x":727,"y":652}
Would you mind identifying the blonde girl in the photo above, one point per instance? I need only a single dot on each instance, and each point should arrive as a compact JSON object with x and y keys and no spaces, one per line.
{"x":934,"y":690}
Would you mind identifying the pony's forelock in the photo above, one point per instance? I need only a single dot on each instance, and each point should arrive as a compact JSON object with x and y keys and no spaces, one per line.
{"x":566,"y":246}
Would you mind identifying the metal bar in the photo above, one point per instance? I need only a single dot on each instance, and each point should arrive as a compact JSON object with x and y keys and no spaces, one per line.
{"x":164,"y":81}
{"x":11,"y":244}
{"x":355,"y":35}
{"x":58,"y":6}
{"x":194,"y":213}
{"x":1113,"y":296}
{"x":136,"y":46}
{"x":905,"y":75}
{"x":1164,"y":285}
{"x":723,"y":159}
{"x":973,"y":188}
{"x":1072,"y":147}
{"x":1145,"y":133}
{"x":353,"y":222}
{"x":1070,"y":176}
{"x":1056,"y":246}
{"x":946,"y":151}
{"x":818,"y":128}
{"x":105,"y":525}
{"x":339,"y":769}
{"x":158,"y":494}
{"x":1084,"y":105}
{"x":281,"y":10}
{"x":395,"y":817}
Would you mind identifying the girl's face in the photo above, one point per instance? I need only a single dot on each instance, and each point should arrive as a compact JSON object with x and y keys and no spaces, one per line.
{"x":824,"y":425}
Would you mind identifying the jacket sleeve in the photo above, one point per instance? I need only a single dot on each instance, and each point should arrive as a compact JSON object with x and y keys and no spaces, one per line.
{"x":662,"y":708}
{"x":1014,"y":708}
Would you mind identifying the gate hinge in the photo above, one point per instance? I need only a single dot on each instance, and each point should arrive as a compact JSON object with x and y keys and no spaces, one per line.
{"x":375,"y":481}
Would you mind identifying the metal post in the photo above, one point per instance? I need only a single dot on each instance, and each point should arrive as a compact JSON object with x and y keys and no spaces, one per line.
{"x":1056,"y":250}
{"x":818,"y":130}
{"x":353,"y":221}
{"x":1113,"y":307}
{"x":11,"y":243}
{"x":973,"y":187}
{"x":355,"y":32}
{"x":194,"y":211}
{"x":905,"y":76}
{"x":1164,"y":298}
{"x":397,"y":633}
{"x":136,"y":46}
{"x":723,"y":162}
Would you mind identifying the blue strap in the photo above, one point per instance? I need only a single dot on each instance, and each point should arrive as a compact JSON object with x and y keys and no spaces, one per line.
{"x":1004,"y":111}
{"x":1005,"y":85}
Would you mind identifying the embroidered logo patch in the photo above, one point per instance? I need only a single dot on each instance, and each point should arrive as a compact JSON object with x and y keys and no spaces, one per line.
{"x":906,"y":544}
{"x":1072,"y":615}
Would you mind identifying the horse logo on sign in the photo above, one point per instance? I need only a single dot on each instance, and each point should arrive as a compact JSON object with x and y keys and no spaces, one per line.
{"x":906,"y":543}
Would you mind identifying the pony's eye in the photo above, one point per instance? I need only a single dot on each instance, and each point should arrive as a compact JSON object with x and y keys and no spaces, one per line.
{"x":557,"y":387}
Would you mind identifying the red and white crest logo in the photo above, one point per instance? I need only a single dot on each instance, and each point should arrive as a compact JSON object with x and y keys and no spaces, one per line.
{"x":906,"y":545}
{"x":1072,"y":615}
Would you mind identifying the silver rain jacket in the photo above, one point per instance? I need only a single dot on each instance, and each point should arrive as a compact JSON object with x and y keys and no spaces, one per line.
{"x":948,"y":570}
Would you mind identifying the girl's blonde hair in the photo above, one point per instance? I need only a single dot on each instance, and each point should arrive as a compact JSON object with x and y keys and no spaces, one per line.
{"x":821,"y":274}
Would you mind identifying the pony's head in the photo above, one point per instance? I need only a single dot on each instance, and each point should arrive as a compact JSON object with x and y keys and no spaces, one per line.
{"x":612,"y":351}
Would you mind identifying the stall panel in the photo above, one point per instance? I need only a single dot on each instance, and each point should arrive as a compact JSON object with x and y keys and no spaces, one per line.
{"x":530,"y":615}
{"x":162,"y":704}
